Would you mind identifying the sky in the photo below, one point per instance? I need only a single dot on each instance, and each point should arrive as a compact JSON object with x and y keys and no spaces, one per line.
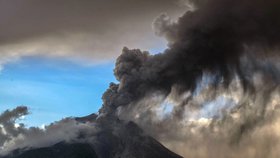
{"x":53,"y":88}
{"x":59,"y":61}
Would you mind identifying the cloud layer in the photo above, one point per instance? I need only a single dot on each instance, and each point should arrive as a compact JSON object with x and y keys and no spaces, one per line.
{"x":86,"y":29}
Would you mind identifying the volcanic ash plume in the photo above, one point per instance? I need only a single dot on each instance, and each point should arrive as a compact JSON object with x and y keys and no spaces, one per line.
{"x":215,"y":91}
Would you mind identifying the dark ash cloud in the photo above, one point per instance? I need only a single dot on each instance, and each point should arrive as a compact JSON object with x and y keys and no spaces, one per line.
{"x":216,"y":38}
{"x":220,"y":75}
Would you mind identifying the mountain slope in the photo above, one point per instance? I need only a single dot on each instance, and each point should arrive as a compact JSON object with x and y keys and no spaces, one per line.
{"x":60,"y":150}
{"x":113,"y":139}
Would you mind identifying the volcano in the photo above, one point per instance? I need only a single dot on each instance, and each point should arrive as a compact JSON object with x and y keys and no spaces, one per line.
{"x":114,"y":139}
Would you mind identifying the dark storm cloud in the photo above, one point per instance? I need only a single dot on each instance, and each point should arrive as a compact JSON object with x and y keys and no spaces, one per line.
{"x":87,"y":29}
{"x":31,"y":18}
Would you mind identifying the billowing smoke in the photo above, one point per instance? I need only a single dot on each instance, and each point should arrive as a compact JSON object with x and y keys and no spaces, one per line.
{"x":213,"y":93}
{"x":14,"y":135}
{"x":223,"y":38}
{"x":7,"y":120}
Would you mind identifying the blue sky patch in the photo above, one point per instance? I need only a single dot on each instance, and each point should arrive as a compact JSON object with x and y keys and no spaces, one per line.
{"x":53,"y":88}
